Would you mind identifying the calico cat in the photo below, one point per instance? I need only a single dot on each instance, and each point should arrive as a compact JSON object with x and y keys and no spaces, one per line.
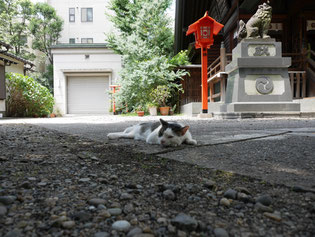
{"x":163,"y":133}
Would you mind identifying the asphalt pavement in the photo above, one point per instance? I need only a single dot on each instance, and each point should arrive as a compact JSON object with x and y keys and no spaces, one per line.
{"x":273,"y":150}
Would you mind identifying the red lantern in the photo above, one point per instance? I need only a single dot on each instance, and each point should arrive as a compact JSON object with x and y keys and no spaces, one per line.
{"x":204,"y":29}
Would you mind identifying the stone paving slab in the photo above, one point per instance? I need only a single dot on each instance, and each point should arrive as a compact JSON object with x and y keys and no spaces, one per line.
{"x":288,"y":159}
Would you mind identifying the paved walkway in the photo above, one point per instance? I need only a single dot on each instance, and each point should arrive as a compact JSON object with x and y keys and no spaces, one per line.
{"x":274,"y":150}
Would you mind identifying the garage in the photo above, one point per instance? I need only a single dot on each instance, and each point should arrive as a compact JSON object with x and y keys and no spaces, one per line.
{"x":87,"y":95}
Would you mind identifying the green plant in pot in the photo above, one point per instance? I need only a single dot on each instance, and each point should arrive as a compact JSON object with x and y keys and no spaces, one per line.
{"x":140,"y":110}
{"x":152,"y":107}
{"x":160,"y":95}
{"x":172,"y":110}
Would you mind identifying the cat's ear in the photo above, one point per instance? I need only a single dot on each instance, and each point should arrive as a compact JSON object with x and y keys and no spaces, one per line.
{"x":164,"y":123}
{"x":184,"y":130}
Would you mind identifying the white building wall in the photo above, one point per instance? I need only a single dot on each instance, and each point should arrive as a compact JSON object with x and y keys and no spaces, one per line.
{"x":70,"y":61}
{"x":79,"y":29}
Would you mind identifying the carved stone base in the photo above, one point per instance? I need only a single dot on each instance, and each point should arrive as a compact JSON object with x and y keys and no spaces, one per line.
{"x":258,"y":79}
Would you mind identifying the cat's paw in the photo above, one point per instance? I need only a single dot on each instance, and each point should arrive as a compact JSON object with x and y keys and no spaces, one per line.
{"x":191,"y":142}
{"x":112,"y":136}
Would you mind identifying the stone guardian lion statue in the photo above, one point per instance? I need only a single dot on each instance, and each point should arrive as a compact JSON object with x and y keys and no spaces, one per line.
{"x":258,"y":24}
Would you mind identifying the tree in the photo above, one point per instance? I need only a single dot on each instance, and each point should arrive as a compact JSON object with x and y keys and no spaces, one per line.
{"x":15,"y":15}
{"x":45,"y":26}
{"x":144,"y":38}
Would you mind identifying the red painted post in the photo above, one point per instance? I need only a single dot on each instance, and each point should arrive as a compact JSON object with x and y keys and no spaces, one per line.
{"x":204,"y":29}
{"x":113,"y":97}
{"x":204,"y":80}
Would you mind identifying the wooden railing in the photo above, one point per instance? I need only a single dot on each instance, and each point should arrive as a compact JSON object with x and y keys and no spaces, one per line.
{"x":298,"y":84}
{"x":216,"y":74}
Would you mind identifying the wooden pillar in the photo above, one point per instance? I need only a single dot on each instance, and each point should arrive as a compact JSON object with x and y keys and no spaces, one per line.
{"x":204,"y":80}
{"x":2,"y":83}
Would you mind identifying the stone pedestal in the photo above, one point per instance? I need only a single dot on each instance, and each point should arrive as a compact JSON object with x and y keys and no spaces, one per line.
{"x":258,"y":79}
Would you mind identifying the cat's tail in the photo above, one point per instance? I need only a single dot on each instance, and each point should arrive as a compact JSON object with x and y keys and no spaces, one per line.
{"x":117,"y":135}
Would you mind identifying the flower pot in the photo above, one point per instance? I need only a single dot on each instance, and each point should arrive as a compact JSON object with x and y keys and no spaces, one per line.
{"x":153,"y":111}
{"x":164,"y":110}
{"x":140,"y":113}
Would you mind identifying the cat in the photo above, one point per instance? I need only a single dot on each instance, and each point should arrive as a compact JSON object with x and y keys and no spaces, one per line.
{"x":163,"y":133}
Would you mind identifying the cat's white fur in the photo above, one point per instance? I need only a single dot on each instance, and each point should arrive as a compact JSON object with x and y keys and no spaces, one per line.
{"x":168,"y":136}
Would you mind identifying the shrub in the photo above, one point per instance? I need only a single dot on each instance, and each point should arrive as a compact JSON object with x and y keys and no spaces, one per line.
{"x":26,"y":97}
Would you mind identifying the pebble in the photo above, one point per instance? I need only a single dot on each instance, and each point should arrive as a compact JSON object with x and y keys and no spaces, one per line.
{"x":126,"y":196}
{"x":51,"y":202}
{"x":162,"y":221}
{"x":262,"y":208}
{"x":115,"y":211}
{"x":243,"y":190}
{"x":230,"y":194}
{"x":68,"y":224}
{"x":26,"y":185}
{"x":128,"y":208}
{"x":210,"y":184}
{"x":121,"y":225}
{"x":243,"y":197}
{"x":7,"y":200}
{"x":3,"y":211}
{"x":184,"y":222}
{"x":14,"y":233}
{"x":264,"y":199}
{"x":225,"y":202}
{"x":169,"y":195}
{"x":181,"y":233}
{"x":274,"y":216}
{"x":82,"y":216}
{"x":298,"y":189}
{"x":42,"y":184}
{"x":101,"y":234}
{"x":97,"y":201}
{"x":220,"y":232}
{"x":84,"y":180}
{"x":105,"y":214}
{"x":135,"y":231}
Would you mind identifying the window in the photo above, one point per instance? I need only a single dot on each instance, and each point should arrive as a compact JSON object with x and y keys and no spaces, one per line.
{"x":86,"y":14}
{"x":71,"y":15}
{"x":87,"y":40}
{"x":72,"y":41}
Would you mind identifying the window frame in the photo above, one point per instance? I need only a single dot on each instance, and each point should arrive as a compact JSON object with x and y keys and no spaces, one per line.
{"x":86,"y":17}
{"x":71,"y":39}
{"x":71,"y":14}
{"x":87,"y":40}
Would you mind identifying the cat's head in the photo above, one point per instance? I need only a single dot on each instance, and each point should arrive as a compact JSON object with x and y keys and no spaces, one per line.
{"x":171,"y":134}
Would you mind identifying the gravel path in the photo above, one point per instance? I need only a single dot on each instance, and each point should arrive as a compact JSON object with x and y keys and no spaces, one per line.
{"x":54,"y":184}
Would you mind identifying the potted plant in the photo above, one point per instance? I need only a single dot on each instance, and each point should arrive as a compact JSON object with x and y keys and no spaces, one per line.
{"x":140,"y":111}
{"x":160,"y":95}
{"x":172,"y":110}
{"x":152,"y":107}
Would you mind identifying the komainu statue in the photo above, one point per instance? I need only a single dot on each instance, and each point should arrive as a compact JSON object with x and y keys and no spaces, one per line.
{"x":258,"y":24}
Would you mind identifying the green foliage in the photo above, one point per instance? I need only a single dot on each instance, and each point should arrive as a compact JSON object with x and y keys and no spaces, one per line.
{"x":26,"y":97}
{"x":180,"y":59}
{"x":145,"y":39}
{"x":160,"y":95}
{"x":45,"y":26}
{"x":15,"y":15}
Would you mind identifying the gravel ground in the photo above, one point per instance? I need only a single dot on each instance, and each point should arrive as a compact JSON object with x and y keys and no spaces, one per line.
{"x":53,"y":184}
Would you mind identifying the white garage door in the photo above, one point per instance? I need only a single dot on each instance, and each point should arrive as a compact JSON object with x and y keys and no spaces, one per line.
{"x":88,"y":95}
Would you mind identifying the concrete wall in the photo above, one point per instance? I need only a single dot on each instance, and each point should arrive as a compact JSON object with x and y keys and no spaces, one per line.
{"x":79,"y":29}
{"x":73,"y":61}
